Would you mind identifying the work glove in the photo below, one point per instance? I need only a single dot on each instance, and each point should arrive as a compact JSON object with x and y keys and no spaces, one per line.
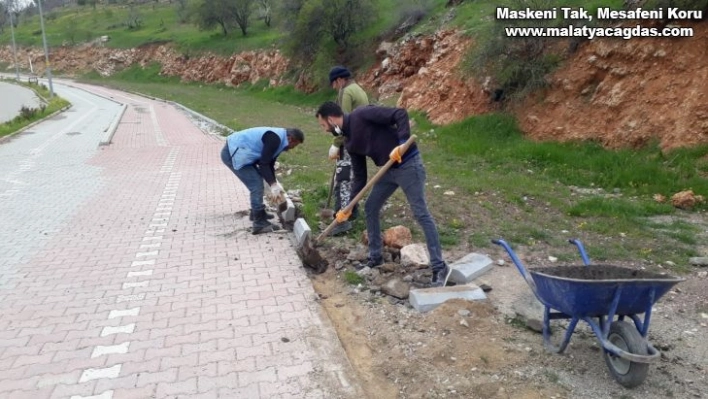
{"x":277,"y":193}
{"x":396,"y":155}
{"x":342,"y":216}
{"x":333,"y":152}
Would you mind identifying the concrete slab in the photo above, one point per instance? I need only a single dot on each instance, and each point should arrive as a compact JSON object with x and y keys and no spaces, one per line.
{"x":288,"y":214}
{"x":699,"y":261}
{"x":427,"y":299}
{"x":302,"y":231}
{"x":470,"y":267}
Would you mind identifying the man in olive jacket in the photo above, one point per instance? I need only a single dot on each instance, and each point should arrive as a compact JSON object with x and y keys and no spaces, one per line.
{"x":350,"y":97}
{"x":378,"y":132}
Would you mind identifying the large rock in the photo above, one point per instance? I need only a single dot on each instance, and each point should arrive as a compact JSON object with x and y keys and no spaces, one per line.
{"x":415,"y":255}
{"x":529,"y":310}
{"x":396,"y":288}
{"x":397,"y":237}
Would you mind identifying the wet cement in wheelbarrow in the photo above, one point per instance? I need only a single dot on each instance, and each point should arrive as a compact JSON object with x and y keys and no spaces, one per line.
{"x":599,"y":272}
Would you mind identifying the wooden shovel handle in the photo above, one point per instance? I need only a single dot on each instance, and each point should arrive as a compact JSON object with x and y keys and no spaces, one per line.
{"x":367,"y":187}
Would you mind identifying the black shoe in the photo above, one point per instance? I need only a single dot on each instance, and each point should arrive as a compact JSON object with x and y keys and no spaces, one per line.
{"x":262,"y":225}
{"x":268,"y":216}
{"x":370,"y":263}
{"x":341,"y":228}
{"x":440,"y":276}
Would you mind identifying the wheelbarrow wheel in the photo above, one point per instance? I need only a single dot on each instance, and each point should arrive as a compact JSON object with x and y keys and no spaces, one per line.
{"x":626,"y":337}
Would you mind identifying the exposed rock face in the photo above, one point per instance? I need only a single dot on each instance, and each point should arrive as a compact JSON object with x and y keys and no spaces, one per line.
{"x":627,"y":93}
{"x":249,"y":66}
{"x":424,"y":70}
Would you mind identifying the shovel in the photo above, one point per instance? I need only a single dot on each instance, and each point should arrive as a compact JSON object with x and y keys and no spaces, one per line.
{"x":328,"y":212}
{"x":308,"y":251}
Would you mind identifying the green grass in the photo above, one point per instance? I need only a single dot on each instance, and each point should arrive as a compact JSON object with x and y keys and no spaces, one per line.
{"x":504,"y":185}
{"x":352,"y":278}
{"x":52,"y":105}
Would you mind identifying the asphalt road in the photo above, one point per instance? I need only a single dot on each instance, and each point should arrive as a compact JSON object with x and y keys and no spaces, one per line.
{"x":12,"y":98}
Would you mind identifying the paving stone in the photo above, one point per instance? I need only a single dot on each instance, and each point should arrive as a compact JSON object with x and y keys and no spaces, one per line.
{"x":288,"y":214}
{"x":469,"y":268}
{"x":302,"y":231}
{"x":427,"y":299}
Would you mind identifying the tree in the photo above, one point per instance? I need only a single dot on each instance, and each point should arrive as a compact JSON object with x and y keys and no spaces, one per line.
{"x":347,"y":17}
{"x":182,"y":11}
{"x":135,"y":20}
{"x":266,"y":10}
{"x":210,"y":14}
{"x":224,"y":13}
{"x":240,"y":11}
{"x":4,"y":17}
{"x":336,"y":20}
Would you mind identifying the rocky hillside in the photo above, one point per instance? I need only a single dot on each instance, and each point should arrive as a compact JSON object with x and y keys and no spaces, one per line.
{"x":618,"y":92}
{"x":627,"y":93}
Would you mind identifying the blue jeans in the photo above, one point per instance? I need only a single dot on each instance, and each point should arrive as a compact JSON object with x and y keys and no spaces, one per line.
{"x":251,"y":178}
{"x":410,"y":177}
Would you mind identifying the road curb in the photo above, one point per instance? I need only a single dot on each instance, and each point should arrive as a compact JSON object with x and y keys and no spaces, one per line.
{"x":191,"y":111}
{"x":113,"y":126}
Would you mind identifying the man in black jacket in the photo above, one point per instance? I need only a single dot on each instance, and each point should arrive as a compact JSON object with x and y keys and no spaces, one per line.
{"x":377,"y":132}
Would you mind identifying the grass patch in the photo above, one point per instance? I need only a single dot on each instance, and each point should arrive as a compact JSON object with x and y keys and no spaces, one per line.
{"x":159,"y":23}
{"x":352,"y":278}
{"x":30,"y":115}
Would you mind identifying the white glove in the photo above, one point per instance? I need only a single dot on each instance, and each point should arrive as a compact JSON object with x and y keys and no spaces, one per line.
{"x":277,"y":193}
{"x":333,"y":152}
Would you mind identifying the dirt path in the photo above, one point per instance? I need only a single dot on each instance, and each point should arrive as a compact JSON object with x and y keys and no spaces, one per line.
{"x":476,"y":350}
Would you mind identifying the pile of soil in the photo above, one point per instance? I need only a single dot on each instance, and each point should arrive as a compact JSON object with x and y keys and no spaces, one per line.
{"x":599,"y":272}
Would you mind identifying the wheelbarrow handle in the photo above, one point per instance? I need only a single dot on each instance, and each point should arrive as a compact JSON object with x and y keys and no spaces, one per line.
{"x":369,"y":184}
{"x":520,"y":266}
{"x":581,"y":249}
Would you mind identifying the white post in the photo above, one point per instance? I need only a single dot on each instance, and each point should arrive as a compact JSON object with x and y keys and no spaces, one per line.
{"x":46,"y":52}
{"x":11,"y":5}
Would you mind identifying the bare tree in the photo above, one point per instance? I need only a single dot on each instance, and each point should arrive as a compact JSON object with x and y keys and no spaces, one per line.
{"x":240,"y":13}
{"x":266,"y":10}
{"x":182,"y":10}
{"x":224,"y":13}
{"x":210,"y":14}
{"x":4,"y":17}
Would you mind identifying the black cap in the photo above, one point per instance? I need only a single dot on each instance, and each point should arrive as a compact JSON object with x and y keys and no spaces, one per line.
{"x":338,"y":72}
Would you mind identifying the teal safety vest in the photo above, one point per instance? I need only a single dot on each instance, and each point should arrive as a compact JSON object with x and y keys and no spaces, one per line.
{"x":246,"y":146}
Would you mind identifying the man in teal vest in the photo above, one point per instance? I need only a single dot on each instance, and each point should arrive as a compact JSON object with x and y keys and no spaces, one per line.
{"x":251,"y":155}
{"x":350,"y":96}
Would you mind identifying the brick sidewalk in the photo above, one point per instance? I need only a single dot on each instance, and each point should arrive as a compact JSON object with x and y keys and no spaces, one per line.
{"x":156,"y":289}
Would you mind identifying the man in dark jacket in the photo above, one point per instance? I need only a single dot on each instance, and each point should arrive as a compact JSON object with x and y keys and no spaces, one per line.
{"x":377,"y":132}
{"x":251,"y":154}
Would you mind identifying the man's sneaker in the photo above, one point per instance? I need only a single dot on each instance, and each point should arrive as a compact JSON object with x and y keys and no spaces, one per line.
{"x":440,"y":276}
{"x":370,"y":263}
{"x":341,"y":228}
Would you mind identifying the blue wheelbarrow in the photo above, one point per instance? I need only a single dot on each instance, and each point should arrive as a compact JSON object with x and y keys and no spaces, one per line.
{"x":597,"y":294}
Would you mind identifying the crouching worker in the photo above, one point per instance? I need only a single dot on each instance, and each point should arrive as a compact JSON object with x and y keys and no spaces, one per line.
{"x":378,"y":132}
{"x":251,"y":155}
